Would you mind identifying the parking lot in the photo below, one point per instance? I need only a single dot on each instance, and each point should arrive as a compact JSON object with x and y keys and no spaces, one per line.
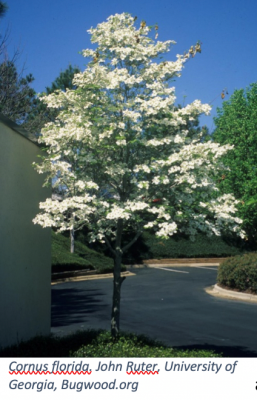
{"x":169,"y":304}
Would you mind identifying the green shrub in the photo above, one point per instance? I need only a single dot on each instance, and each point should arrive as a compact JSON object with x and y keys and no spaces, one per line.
{"x":131,"y":345}
{"x":239,"y":273}
{"x":93,"y":343}
{"x":149,"y":246}
{"x":182,"y":247}
{"x":82,"y":258}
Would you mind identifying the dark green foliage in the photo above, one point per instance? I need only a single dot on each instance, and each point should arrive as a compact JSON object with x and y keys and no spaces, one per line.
{"x":17,"y":98}
{"x":184,"y":248}
{"x":62,"y":259}
{"x":93,"y":343}
{"x":83,"y":258}
{"x":149,"y":246}
{"x":64,"y":80}
{"x":236,"y":124}
{"x":239,"y":273}
{"x":49,"y":346}
{"x":135,"y":254}
{"x":131,"y":345}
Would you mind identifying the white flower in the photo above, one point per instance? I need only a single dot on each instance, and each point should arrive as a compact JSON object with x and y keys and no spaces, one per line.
{"x":121,"y":142}
{"x":167,"y":229}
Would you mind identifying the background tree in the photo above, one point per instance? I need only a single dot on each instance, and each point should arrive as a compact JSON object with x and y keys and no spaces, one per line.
{"x":64,"y":81}
{"x":19,"y":102}
{"x":40,"y":114}
{"x":120,"y":156}
{"x":236,"y":124}
{"x":17,"y":98}
{"x":3,"y":37}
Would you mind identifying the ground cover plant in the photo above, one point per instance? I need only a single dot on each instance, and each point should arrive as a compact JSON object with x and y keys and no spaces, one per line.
{"x":120,"y":151}
{"x":94,"y":343}
{"x":239,"y":273}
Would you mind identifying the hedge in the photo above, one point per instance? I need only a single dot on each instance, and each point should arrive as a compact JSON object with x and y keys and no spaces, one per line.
{"x":149,"y":246}
{"x":239,"y":273}
{"x":182,"y":247}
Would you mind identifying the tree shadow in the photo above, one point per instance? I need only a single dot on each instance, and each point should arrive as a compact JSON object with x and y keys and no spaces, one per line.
{"x":71,"y":306}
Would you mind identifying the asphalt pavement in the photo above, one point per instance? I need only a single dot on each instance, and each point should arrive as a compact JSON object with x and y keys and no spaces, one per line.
{"x":168,"y":304}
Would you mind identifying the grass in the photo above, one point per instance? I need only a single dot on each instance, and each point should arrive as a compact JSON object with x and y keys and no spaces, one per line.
{"x":98,"y":343}
{"x":82,"y":258}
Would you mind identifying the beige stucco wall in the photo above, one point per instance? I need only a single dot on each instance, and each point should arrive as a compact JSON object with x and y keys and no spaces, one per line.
{"x":25,"y":249}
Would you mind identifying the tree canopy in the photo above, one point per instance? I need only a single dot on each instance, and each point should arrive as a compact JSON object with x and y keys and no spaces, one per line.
{"x":122,"y":150}
{"x":17,"y":98}
{"x":236,"y":124}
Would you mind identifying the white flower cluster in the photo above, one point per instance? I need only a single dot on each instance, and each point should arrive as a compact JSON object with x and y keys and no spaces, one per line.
{"x":167,"y":229}
{"x":118,"y":213}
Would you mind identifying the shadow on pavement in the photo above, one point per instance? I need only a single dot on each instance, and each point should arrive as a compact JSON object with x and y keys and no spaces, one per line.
{"x":71,"y":306}
{"x":226,"y":351}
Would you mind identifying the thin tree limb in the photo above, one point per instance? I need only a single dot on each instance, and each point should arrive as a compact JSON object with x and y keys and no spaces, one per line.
{"x":109,"y":245}
{"x":125,"y":248}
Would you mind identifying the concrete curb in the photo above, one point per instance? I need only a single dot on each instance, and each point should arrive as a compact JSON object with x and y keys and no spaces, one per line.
{"x":225,"y":293}
{"x":77,"y":276}
{"x":88,"y":277}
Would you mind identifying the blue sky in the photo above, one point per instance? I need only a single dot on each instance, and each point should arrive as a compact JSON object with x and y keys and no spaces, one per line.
{"x":51,"y":33}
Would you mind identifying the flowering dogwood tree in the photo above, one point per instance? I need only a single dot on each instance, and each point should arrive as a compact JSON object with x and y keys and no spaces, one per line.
{"x":120,"y":144}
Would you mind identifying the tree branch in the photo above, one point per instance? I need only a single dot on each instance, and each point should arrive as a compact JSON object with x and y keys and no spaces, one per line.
{"x":109,"y":245}
{"x":125,"y":248}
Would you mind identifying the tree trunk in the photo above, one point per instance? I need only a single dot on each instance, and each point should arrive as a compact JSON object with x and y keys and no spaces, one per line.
{"x":117,"y":281}
{"x":72,"y":240}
